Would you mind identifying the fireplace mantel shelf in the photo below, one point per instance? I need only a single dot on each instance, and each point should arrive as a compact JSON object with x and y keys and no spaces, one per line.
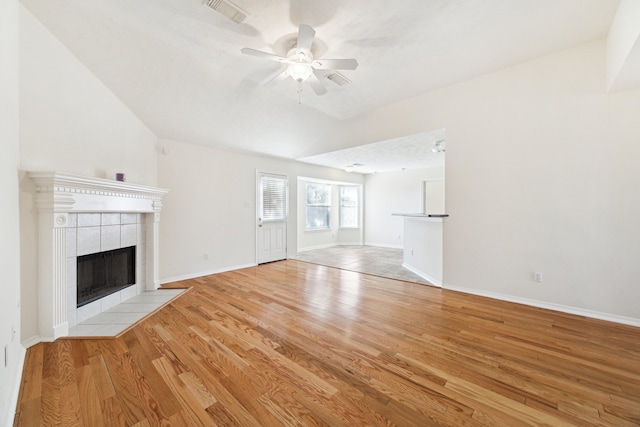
{"x":63,"y":192}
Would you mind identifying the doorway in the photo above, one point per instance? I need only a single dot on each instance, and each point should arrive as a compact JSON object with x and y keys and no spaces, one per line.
{"x":272,"y":214}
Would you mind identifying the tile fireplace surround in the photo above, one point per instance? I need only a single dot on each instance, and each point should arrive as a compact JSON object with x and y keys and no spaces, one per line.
{"x":64,"y":199}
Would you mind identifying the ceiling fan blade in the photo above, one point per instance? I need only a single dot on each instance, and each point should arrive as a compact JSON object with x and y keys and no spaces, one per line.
{"x":265,"y":55}
{"x":335,"y":64}
{"x":277,"y":79}
{"x":316,"y":84}
{"x":306,"y":35}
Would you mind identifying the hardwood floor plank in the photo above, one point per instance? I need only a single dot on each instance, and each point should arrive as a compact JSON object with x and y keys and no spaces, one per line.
{"x":125,"y":385}
{"x":113,"y":413}
{"x":50,"y":413}
{"x":91,"y":414}
{"x":165,"y":399}
{"x":195,"y":414}
{"x":101,"y":378}
{"x":290,"y":343}
{"x":33,"y":374}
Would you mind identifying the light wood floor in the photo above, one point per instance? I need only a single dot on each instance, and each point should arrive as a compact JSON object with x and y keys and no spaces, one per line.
{"x":291,"y":343}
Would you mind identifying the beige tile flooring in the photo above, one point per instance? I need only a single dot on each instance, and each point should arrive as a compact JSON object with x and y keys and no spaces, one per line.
{"x":376,"y":260}
{"x":115,"y":320}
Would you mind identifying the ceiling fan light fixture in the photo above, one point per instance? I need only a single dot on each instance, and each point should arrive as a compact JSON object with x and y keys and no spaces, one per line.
{"x":299,"y":71}
{"x":301,"y":65}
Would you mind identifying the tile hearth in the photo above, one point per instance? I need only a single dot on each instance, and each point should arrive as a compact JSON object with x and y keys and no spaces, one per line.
{"x":120,"y":317}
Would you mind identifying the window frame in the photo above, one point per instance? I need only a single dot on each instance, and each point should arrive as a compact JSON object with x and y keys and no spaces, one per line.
{"x":327,"y":205}
{"x":356,"y":207}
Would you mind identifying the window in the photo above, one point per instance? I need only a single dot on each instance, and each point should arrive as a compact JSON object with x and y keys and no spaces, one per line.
{"x":349,"y":206}
{"x":273,"y":197}
{"x":318,"y":206}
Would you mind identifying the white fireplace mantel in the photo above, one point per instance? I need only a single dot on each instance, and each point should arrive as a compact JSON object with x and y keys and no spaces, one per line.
{"x":57,"y":195}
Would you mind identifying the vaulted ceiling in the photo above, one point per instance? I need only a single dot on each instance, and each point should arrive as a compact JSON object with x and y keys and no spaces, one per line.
{"x":177,"y":63}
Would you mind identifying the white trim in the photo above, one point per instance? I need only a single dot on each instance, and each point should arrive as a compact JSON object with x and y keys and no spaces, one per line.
{"x":310,"y":248}
{"x":327,"y":181}
{"x":384,"y":245}
{"x":422,"y":274}
{"x":547,"y":305}
{"x":30,"y":342}
{"x":318,"y":230}
{"x":13,"y":400}
{"x":204,"y":273}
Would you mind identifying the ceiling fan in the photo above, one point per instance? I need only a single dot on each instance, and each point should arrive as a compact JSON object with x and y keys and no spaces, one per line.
{"x":301,"y":66}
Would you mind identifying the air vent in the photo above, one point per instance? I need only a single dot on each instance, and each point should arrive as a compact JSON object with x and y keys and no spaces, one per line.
{"x":227,"y":9}
{"x":338,"y":78}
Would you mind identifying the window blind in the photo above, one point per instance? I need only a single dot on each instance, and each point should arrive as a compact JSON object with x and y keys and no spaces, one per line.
{"x":273,"y":196}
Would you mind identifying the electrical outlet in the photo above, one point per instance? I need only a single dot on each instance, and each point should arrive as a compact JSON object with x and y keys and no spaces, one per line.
{"x":537,"y":276}
{"x":206,"y":256}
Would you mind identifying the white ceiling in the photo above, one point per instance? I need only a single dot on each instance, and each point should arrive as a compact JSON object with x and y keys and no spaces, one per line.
{"x":404,"y":153}
{"x":177,"y":63}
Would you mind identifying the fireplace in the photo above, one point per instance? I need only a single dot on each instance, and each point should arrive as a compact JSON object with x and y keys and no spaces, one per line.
{"x":104,"y":273}
{"x":79,"y":216}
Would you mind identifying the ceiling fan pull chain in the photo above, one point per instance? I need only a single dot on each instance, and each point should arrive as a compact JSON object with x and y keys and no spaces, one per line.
{"x":299,"y":93}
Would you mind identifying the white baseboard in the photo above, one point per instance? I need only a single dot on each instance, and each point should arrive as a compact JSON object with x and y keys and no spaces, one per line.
{"x":350,"y":244}
{"x":631,"y":321}
{"x":310,"y":248}
{"x":422,"y":274}
{"x":15,"y":394}
{"x":203,"y":273}
{"x":384,"y":245}
{"x":31,"y":341}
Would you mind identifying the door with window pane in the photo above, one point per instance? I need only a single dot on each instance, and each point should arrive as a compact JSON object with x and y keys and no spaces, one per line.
{"x":273,"y":210}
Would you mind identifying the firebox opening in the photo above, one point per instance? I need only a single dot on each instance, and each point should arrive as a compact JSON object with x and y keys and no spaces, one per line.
{"x":104,"y":273}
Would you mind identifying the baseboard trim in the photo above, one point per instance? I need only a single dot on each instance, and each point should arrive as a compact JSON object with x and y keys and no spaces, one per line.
{"x":311,"y":248}
{"x":384,"y":245}
{"x":425,"y":276}
{"x":36,"y":339}
{"x":203,"y":273}
{"x":547,"y":305}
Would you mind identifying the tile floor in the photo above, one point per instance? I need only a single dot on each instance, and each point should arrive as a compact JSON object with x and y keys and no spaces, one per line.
{"x":385,"y":262}
{"x":115,"y":320}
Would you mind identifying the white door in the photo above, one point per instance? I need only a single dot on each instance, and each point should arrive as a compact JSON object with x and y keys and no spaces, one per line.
{"x":273,"y":209}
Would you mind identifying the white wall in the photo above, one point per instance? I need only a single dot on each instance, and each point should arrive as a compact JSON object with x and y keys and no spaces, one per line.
{"x":69,"y":122}
{"x":315,"y":239}
{"x":623,"y":47}
{"x":393,"y":192}
{"x":9,"y":215}
{"x":541,"y":171}
{"x":211,"y":206}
